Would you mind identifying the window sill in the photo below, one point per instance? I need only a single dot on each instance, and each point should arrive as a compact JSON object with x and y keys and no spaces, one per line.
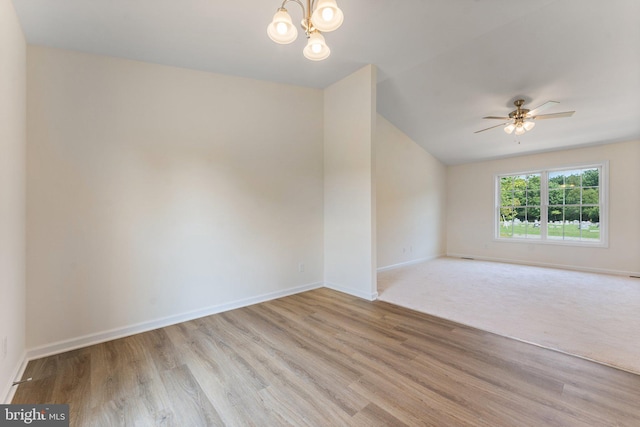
{"x":574,"y":243}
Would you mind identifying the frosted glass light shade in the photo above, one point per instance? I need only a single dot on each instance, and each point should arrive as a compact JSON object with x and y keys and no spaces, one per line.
{"x":316,"y":49}
{"x":281,"y":30}
{"x":509,"y":128}
{"x":327,"y":16}
{"x":528,"y":125}
{"x":520,"y":129}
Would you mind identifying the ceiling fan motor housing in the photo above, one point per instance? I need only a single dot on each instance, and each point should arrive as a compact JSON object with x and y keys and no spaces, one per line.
{"x":519,"y":113}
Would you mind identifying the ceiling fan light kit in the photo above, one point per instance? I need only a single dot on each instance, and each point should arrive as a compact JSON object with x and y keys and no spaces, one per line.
{"x":319,"y":16}
{"x":521,"y":120}
{"x":519,"y":128}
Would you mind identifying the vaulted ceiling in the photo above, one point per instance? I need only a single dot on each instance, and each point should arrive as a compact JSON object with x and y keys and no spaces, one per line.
{"x":442,"y":64}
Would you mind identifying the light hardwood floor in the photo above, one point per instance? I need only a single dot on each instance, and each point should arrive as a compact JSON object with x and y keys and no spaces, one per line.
{"x":323,"y":358}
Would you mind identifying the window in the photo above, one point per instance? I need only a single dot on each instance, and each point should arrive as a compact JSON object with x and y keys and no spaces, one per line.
{"x":553,"y":206}
{"x":520,"y":206}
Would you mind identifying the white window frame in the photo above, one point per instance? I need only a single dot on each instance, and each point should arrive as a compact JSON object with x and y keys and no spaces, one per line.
{"x":544,"y":206}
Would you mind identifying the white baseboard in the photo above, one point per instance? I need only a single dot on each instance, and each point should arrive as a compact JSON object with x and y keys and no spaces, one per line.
{"x":10,"y":390}
{"x":355,"y":292}
{"x":546,"y":264}
{"x":406,"y":263}
{"x":99,"y":337}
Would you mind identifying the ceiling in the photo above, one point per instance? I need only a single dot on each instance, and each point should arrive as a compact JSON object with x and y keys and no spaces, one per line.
{"x":442,"y":64}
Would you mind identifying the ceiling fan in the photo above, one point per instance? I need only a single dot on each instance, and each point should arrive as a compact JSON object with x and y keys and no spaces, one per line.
{"x":521,"y":119}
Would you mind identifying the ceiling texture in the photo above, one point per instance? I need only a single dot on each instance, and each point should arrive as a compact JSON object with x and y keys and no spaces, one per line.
{"x":442,"y":64}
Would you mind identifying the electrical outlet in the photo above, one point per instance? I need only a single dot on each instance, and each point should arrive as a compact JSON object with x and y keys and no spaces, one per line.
{"x":4,"y":347}
{"x":301,"y":267}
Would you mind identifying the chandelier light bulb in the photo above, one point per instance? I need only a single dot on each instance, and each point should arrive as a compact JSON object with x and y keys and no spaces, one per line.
{"x":327,"y":16}
{"x":281,"y":29}
{"x":316,"y":49}
{"x":520,"y":129}
{"x":528,"y":125}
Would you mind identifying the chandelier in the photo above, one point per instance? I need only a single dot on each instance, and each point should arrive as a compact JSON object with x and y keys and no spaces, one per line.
{"x":319,"y":16}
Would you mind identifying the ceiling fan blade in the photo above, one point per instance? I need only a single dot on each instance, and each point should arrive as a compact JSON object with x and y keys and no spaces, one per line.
{"x":554,"y":115}
{"x":497,"y":118}
{"x":501,"y":124}
{"x":542,"y":107}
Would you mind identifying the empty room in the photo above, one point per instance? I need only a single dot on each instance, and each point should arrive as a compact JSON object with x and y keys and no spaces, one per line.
{"x":320,"y":213}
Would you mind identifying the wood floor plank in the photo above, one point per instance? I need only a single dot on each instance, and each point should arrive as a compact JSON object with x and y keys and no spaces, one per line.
{"x":193,"y":408}
{"x":374,"y":416}
{"x":215,"y":373}
{"x":327,"y":378}
{"x":324,"y":358}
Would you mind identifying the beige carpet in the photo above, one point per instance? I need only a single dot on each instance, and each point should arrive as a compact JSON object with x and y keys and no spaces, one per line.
{"x":594,"y":316}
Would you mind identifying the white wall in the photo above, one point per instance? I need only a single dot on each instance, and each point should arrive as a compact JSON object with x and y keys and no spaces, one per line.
{"x":470,"y":211}
{"x":156,"y":194}
{"x":349,"y":190}
{"x":410,"y":199}
{"x":12,"y":196}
